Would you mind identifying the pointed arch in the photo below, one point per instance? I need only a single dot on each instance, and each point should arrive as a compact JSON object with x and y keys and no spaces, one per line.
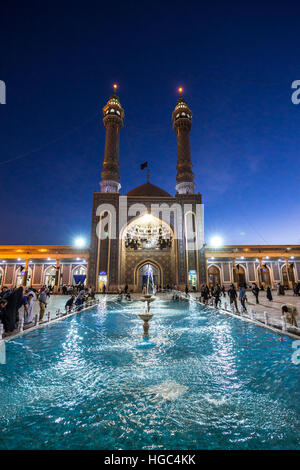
{"x":214,"y":275}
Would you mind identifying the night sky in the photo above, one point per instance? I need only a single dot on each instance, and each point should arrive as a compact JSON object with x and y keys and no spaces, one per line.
{"x":236,"y":62}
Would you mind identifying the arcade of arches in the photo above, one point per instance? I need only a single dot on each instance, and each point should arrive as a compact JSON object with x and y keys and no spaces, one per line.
{"x":271,"y":267}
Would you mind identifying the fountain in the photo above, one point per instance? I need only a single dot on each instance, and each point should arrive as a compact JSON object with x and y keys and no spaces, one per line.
{"x":147,"y":298}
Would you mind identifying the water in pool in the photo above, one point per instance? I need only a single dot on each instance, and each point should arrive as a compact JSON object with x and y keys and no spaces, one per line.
{"x":203,"y":380}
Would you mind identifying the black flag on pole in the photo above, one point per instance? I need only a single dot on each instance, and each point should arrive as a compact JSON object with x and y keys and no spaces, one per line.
{"x":144,"y":165}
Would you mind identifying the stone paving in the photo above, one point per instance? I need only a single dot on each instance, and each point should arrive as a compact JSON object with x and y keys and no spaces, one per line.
{"x":272,"y":308}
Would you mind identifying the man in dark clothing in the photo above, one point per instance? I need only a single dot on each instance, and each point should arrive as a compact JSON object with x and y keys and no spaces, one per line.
{"x":69,"y":303}
{"x":205,"y":293}
{"x":233,"y":296}
{"x":5,"y":292}
{"x":3,"y":313}
{"x":217,"y":295}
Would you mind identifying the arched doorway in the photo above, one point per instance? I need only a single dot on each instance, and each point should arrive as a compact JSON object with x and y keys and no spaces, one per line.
{"x":20,"y":273}
{"x":240,"y":275}
{"x":79,"y":275}
{"x":214,"y":277}
{"x":49,"y":276}
{"x":147,"y":274}
{"x":264,"y":276}
{"x":288,"y":275}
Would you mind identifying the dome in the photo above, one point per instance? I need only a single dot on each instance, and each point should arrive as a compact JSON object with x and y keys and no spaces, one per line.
{"x":148,"y":189}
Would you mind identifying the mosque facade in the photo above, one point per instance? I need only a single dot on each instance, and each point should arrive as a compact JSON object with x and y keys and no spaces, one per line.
{"x":147,"y":232}
{"x":148,"y":235}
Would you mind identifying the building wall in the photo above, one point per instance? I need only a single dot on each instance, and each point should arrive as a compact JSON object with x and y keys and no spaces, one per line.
{"x":251,"y":271}
{"x":37,"y":271}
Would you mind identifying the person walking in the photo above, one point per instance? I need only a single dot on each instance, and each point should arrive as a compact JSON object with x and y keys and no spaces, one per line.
{"x":233,"y":296}
{"x":217,"y":296}
{"x":43,"y":301}
{"x":244,"y":299}
{"x":255,"y":291}
{"x":241,"y":292}
{"x":269,"y":294}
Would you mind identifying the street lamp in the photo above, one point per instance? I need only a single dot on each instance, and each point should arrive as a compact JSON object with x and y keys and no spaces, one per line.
{"x":216,"y":241}
{"x":79,"y":242}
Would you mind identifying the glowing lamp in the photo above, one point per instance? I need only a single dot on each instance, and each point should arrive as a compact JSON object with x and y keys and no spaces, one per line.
{"x":79,"y":242}
{"x":216,"y":241}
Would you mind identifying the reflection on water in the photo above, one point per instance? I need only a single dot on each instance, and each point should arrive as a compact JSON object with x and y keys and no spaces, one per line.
{"x":201,"y":380}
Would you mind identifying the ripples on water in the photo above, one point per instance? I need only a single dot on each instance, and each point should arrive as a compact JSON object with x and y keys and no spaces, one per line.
{"x":201,"y":381}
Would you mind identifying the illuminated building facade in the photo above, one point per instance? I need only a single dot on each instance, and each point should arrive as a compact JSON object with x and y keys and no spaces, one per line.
{"x":148,"y":232}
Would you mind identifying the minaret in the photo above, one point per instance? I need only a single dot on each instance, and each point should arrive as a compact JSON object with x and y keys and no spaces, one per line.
{"x":182,"y":124}
{"x":113,"y":120}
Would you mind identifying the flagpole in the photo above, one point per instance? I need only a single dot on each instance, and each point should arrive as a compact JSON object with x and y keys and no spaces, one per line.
{"x":148,"y":175}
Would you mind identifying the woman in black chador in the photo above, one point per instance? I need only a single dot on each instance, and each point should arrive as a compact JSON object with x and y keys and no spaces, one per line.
{"x":14,"y":302}
{"x":269,"y":294}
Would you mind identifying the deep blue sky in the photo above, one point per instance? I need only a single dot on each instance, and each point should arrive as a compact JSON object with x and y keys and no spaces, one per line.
{"x":236,"y":61}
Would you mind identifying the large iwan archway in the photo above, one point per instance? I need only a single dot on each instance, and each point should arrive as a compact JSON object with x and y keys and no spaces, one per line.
{"x":147,"y":240}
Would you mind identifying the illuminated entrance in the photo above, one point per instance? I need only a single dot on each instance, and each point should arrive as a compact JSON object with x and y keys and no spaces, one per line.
{"x":148,"y":273}
{"x":50,"y":273}
{"x":264,"y":276}
{"x":288,"y":275}
{"x":239,"y":275}
{"x":102,"y":280}
{"x":214,"y":277}
{"x":20,"y":277}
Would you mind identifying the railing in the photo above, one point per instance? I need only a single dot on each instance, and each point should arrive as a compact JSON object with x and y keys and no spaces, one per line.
{"x":59,"y":314}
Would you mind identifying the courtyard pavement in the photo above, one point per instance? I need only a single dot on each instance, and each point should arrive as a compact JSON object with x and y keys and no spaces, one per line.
{"x":273,"y":308}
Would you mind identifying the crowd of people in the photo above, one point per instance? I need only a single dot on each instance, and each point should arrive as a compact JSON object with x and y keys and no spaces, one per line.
{"x":79,"y":295}
{"x":18,"y":303}
{"x":14,"y":303}
{"x":215,"y":293}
